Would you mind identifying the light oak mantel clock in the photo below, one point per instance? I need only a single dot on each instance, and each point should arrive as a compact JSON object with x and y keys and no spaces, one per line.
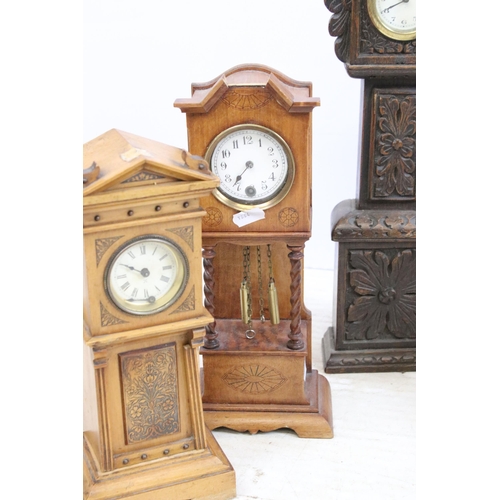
{"x":253,"y":126}
{"x":375,"y":311}
{"x":143,"y":315}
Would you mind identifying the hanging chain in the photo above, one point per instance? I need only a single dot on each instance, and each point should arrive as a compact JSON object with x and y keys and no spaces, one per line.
{"x":250,"y":333}
{"x":270,"y":264}
{"x":261,"y":292}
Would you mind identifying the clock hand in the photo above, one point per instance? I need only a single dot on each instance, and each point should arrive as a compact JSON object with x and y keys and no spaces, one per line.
{"x":389,"y":8}
{"x":150,"y":299}
{"x":144,"y":271}
{"x":249,"y":164}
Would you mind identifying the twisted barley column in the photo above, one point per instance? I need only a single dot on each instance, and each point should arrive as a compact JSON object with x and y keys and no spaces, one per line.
{"x":296,"y":255}
{"x":208,"y":253}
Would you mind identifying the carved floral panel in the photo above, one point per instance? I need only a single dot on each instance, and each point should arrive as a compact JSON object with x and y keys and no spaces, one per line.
{"x":381,"y":296}
{"x":393,"y":152}
{"x":149,"y":385}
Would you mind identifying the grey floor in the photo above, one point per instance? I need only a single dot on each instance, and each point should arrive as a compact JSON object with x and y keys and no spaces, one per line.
{"x":373,"y":452}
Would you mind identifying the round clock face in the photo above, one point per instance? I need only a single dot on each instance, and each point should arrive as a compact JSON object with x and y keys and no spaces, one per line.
{"x":254,"y":164}
{"x":396,"y":19}
{"x":146,"y":275}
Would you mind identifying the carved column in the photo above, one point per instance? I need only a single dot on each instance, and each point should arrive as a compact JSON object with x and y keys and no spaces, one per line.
{"x":208,"y":253}
{"x":296,"y":255}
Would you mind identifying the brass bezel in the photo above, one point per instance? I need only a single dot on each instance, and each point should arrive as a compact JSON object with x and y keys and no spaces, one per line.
{"x":277,"y":197}
{"x":384,"y":29}
{"x":170,"y":297}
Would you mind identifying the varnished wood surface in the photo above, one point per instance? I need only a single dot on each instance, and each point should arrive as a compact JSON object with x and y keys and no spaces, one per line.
{"x":373,"y":452}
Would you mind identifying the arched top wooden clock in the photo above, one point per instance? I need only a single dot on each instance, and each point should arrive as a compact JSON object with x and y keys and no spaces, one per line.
{"x":144,"y":319}
{"x":253,"y":124}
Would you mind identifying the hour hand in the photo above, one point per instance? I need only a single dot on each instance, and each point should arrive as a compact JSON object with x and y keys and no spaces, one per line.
{"x":151,"y":299}
{"x":248,"y":164}
{"x":144,"y":272}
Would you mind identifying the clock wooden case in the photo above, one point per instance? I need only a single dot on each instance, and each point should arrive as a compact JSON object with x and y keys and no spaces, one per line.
{"x":374,"y":320}
{"x":144,"y":319}
{"x":253,"y":126}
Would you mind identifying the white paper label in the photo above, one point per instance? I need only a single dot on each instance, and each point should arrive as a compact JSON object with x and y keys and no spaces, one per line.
{"x":244,"y":218}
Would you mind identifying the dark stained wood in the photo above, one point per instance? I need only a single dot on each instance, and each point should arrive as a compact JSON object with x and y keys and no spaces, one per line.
{"x":374,"y":323}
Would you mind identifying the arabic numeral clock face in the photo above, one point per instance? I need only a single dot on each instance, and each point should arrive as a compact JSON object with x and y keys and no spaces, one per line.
{"x":396,"y":19}
{"x":146,"y":275}
{"x":254,"y":164}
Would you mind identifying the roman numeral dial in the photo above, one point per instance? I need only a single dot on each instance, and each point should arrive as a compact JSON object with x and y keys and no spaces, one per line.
{"x":146,"y":275}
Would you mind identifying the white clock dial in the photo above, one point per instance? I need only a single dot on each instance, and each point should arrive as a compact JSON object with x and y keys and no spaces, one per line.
{"x":396,"y":19}
{"x":146,"y":275}
{"x":254,"y":164}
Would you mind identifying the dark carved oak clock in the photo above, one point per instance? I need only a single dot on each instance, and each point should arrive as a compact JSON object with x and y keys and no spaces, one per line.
{"x":375,"y":311}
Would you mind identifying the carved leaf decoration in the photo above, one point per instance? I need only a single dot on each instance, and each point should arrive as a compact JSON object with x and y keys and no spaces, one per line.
{"x":394,"y":160}
{"x":386,"y":292}
{"x":339,"y":25}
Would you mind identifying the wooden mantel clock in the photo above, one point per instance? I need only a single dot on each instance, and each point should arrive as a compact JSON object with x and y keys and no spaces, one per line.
{"x":253,"y":126}
{"x":375,"y":316}
{"x":144,"y":320}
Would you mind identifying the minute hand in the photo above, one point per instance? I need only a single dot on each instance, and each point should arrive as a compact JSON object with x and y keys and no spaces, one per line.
{"x":389,"y":8}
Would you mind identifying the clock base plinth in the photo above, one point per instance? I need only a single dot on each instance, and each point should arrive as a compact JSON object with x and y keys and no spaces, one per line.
{"x":314,"y":421}
{"x":366,"y":360}
{"x":259,"y":384}
{"x":201,"y":474}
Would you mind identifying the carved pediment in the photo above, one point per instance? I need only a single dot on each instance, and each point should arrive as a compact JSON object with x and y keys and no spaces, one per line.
{"x":250,"y":86}
{"x":120,"y":161}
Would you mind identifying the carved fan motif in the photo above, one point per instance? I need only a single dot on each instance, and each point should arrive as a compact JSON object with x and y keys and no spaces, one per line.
{"x":247,"y":98}
{"x":255,"y":379}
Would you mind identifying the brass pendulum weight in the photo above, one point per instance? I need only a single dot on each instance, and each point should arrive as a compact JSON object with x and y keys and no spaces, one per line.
{"x":272,"y":292}
{"x":246,"y":294}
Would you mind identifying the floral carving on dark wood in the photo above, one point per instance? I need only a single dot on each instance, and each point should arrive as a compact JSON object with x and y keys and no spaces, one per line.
{"x":384,"y":289}
{"x":149,"y":385}
{"x":340,"y":25}
{"x":395,"y":146}
{"x":373,"y":42}
{"x":386,"y":224}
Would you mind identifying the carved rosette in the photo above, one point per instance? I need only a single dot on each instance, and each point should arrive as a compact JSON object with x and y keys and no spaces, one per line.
{"x":382,"y":295}
{"x":393,"y":156}
{"x":288,"y":217}
{"x":213,"y":217}
{"x":149,"y":385}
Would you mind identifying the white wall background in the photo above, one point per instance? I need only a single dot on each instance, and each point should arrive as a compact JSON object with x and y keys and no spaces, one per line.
{"x":139,"y":56}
